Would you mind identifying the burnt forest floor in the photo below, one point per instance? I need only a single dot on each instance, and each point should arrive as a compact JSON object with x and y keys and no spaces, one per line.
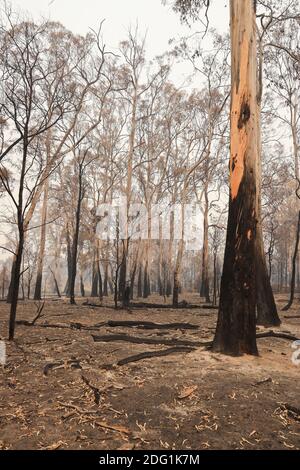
{"x":60,"y":389}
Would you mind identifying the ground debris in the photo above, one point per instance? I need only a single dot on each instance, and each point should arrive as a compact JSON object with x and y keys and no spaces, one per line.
{"x":187,"y":392}
{"x":147,"y":325}
{"x":72,"y":363}
{"x":147,"y":340}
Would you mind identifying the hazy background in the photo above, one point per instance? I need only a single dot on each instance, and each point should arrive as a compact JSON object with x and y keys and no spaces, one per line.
{"x":158,"y":21}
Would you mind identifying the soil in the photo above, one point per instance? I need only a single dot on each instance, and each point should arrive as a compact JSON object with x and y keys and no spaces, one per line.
{"x":62,"y":390}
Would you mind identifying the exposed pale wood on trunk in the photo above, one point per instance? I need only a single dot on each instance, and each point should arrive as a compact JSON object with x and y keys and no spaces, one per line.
{"x":236,"y":330}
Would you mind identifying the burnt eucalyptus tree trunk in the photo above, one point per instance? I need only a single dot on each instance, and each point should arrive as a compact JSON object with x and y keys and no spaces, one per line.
{"x":16,"y":275}
{"x":82,"y":289}
{"x":56,"y":284}
{"x":215,"y":280}
{"x":236,"y":328}
{"x":105,"y":280}
{"x":178,"y":262}
{"x":11,"y":283}
{"x":99,"y":276}
{"x":265,"y":303}
{"x":122,"y":276}
{"x":146,"y":288}
{"x":17,"y":263}
{"x":140,"y":283}
{"x":95,"y":282}
{"x":40,"y":263}
{"x":267,"y":314}
{"x":293,"y":277}
{"x":69,"y":262}
{"x":204,"y":290}
{"x":41,"y":255}
{"x":133,"y":276}
{"x":76,"y":233}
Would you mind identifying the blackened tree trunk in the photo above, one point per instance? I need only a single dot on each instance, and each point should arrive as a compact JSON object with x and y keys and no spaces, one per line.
{"x":15,"y":286}
{"x":140,"y":283}
{"x":132,"y":280}
{"x":178,"y":262}
{"x":56,"y":285}
{"x":12,"y":277}
{"x":293,"y":277}
{"x":76,"y":232}
{"x":69,"y":263}
{"x":146,"y":286}
{"x":40,"y":263}
{"x":100,"y":280}
{"x":29,"y":279}
{"x":215,"y":281}
{"x":176,"y":287}
{"x":16,"y":270}
{"x":122,"y":276}
{"x":204,"y":291}
{"x":95,"y":283}
{"x":265,"y":303}
{"x":105,"y":280}
{"x":82,"y":289}
{"x":160,"y":276}
{"x":236,"y":327}
{"x":41,"y":255}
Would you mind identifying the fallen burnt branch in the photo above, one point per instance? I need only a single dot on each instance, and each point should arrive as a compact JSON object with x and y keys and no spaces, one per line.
{"x":148,"y":325}
{"x":95,"y":390}
{"x":273,"y":334}
{"x":39,"y":311}
{"x":210,"y":307}
{"x":145,"y":305}
{"x":43,"y":325}
{"x":72,"y":326}
{"x":138,"y":340}
{"x":181,"y":343}
{"x":149,"y":355}
{"x":290,"y":317}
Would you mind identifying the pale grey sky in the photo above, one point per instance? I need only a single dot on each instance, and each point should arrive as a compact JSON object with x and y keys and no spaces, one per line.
{"x":160,"y":22}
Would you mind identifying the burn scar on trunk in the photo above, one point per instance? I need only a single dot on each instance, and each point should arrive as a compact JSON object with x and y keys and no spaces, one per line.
{"x":240,"y":115}
{"x":244,"y":115}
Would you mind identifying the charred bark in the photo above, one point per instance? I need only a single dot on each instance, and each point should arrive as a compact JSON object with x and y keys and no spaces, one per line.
{"x":293,"y":277}
{"x":204,"y":290}
{"x":236,"y":327}
{"x":82,"y":289}
{"x":265,"y":303}
{"x":140,"y":283}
